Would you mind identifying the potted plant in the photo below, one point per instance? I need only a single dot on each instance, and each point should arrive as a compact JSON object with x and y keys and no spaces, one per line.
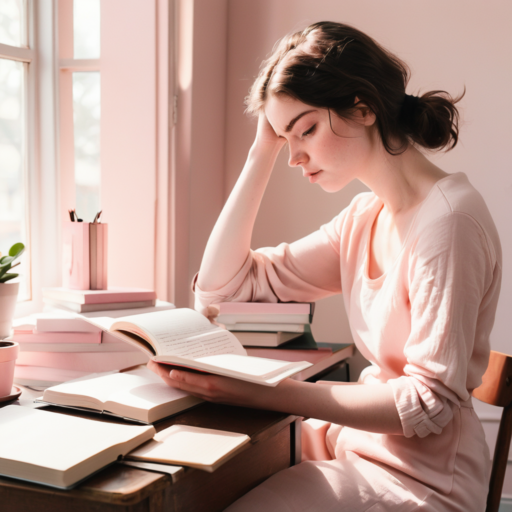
{"x":8,"y":290}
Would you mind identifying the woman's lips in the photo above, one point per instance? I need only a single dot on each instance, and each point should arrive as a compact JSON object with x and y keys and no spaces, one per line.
{"x":313,"y":177}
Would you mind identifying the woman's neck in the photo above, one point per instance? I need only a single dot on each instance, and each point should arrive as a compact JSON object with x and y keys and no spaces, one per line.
{"x":402,"y":181}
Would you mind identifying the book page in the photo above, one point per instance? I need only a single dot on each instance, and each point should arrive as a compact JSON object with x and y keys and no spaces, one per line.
{"x":183,"y":332}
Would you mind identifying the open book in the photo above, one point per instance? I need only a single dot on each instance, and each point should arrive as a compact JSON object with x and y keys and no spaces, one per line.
{"x":59,"y":450}
{"x":138,"y":395}
{"x":185,"y":339}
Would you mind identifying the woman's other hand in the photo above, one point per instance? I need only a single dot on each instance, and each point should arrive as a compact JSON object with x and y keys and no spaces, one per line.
{"x":266,"y":136}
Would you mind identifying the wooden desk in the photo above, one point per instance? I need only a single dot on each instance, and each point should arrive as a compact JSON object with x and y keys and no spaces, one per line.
{"x":275,"y":445}
{"x":122,"y":488}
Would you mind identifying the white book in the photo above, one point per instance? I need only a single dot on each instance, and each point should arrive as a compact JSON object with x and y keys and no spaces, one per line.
{"x":59,"y":450}
{"x":296,"y":328}
{"x":185,"y":339}
{"x":197,"y":447}
{"x":86,"y":308}
{"x":137,"y":395}
{"x":264,"y":339}
{"x":250,"y":318}
{"x":76,"y":347}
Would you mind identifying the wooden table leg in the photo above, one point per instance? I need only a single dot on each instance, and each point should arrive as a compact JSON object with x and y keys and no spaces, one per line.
{"x":296,"y":442}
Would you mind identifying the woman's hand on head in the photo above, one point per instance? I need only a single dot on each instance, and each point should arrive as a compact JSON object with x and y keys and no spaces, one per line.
{"x":215,"y":388}
{"x":266,"y":137}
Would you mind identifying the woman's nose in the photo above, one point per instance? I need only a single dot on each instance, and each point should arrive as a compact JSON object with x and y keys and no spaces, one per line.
{"x":297,"y":157}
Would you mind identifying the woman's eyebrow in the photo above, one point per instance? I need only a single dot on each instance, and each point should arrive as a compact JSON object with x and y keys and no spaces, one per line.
{"x":295,"y":119}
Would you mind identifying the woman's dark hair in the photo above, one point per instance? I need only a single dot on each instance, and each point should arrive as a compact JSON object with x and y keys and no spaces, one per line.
{"x":328,"y":65}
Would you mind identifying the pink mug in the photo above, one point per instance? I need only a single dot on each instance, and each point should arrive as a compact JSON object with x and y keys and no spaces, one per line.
{"x":8,"y":354}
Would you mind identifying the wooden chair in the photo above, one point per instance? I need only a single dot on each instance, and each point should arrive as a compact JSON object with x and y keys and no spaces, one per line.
{"x":496,"y":389}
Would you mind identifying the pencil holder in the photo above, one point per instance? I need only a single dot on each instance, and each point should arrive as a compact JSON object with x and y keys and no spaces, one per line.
{"x":84,"y":258}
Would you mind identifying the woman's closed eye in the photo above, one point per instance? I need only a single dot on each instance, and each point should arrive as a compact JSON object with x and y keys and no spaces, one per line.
{"x":310,"y":131}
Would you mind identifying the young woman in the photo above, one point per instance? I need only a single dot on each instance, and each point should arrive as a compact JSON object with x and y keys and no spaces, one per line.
{"x":418,"y":260}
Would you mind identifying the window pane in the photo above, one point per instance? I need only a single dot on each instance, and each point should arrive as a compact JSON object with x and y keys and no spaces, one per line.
{"x":12,"y":22}
{"x":86,"y":111}
{"x":86,"y":29}
{"x":13,"y":219}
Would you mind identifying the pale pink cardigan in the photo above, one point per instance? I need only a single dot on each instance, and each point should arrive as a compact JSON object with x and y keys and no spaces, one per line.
{"x":424,"y":325}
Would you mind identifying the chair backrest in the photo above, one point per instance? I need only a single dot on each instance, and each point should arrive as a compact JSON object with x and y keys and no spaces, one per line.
{"x":496,"y":389}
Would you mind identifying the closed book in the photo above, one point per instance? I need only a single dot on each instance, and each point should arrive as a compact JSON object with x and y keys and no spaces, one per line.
{"x":112,"y":295}
{"x":295,"y":328}
{"x":201,"y":448}
{"x":77,"y":347}
{"x":83,"y":361}
{"x":264,"y":339}
{"x":57,"y":337}
{"x":138,"y":395}
{"x":87,"y":308}
{"x":61,"y":321}
{"x":60,"y":450}
{"x":39,"y":376}
{"x":252,"y":318}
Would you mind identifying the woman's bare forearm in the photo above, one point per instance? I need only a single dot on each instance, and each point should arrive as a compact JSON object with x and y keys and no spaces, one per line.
{"x":229,"y":242}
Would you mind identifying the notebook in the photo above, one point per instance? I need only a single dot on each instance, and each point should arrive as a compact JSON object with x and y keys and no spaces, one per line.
{"x":197,"y":447}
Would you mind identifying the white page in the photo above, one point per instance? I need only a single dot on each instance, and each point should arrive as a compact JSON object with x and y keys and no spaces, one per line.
{"x":256,"y":366}
{"x":54,"y":440}
{"x":187,"y":333}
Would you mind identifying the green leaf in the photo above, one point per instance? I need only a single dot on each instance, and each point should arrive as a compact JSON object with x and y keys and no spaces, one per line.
{"x":4,"y":269}
{"x":16,"y":250}
{"x":8,"y":277}
{"x":6,"y":261}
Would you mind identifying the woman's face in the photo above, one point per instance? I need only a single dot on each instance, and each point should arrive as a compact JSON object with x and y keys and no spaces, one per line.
{"x":331,"y":157}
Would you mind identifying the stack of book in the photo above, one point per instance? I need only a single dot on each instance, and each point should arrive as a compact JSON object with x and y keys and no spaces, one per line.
{"x":60,"y":345}
{"x":262,"y":324}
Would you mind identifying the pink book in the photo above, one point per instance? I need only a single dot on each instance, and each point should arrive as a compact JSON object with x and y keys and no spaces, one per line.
{"x":264,"y":308}
{"x":23,"y":336}
{"x":75,"y":256}
{"x":40,"y":376}
{"x":99,"y":296}
{"x":83,"y":361}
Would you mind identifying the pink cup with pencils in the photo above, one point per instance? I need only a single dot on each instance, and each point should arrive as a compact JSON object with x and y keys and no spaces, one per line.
{"x":8,"y":354}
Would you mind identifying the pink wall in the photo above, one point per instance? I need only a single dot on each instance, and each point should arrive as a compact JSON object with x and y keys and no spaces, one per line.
{"x":128,"y":135}
{"x":200,"y":131}
{"x":448,"y":45}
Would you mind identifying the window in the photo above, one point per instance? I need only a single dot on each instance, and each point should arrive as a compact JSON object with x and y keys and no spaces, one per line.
{"x":80,"y":106}
{"x":16,"y":57}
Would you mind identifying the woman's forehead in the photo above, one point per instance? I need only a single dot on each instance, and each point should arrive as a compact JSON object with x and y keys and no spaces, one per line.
{"x":281,"y":110}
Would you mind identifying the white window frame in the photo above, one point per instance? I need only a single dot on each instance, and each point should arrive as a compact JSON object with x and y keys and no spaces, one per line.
{"x":41,"y":163}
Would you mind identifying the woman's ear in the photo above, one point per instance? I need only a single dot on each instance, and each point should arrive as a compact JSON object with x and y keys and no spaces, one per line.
{"x":363,"y":113}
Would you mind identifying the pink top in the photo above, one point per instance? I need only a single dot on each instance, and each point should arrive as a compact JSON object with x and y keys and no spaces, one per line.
{"x":424,"y":324}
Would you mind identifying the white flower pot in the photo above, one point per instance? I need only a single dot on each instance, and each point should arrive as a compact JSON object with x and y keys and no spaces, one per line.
{"x":8,"y":297}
